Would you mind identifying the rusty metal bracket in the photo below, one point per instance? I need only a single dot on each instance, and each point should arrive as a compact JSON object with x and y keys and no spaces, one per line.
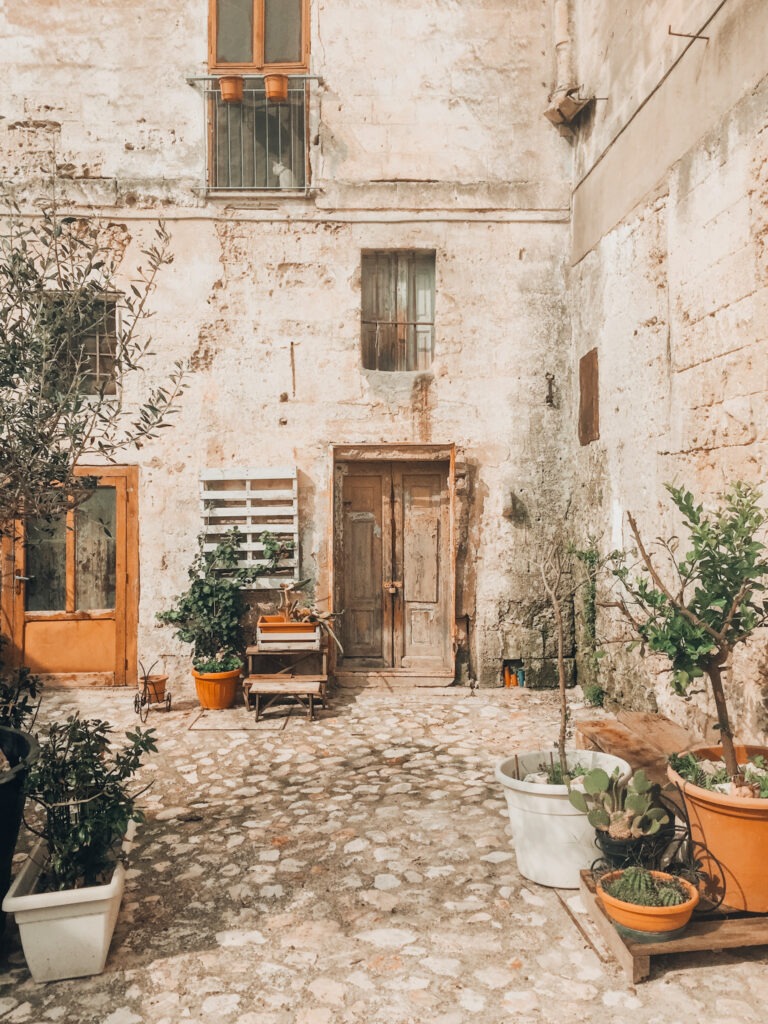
{"x":687,"y":35}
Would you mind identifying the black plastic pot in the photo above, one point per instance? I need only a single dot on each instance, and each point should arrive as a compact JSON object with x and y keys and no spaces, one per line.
{"x":644,"y":851}
{"x":22,"y":750}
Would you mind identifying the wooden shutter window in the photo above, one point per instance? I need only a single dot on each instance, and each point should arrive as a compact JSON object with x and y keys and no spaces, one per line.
{"x":251,"y":36}
{"x":397,"y":310}
{"x":589,"y":398}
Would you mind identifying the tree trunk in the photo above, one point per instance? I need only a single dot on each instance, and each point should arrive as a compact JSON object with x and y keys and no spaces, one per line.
{"x":714,"y":671}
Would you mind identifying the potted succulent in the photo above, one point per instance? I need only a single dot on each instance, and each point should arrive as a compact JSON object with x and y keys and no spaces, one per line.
{"x":647,"y":906}
{"x":67,"y":895}
{"x":631,"y":824}
{"x":714,"y":603}
{"x":19,"y":701}
{"x":209,"y":614}
{"x":553,"y":839}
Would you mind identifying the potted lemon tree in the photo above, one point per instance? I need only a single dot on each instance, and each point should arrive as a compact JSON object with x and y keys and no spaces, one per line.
{"x":696,"y":609}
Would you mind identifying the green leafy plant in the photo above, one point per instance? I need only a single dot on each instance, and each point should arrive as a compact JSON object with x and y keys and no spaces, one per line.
{"x":19,"y":695}
{"x":625,"y":808}
{"x":640,"y":887}
{"x":82,"y":787}
{"x":209,"y":613}
{"x":714,"y":599}
{"x":58,"y":294}
{"x":716,"y":778}
{"x":594,"y":695}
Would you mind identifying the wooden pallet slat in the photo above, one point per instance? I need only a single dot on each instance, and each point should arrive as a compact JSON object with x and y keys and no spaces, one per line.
{"x":720,"y":929}
{"x":255,"y":500}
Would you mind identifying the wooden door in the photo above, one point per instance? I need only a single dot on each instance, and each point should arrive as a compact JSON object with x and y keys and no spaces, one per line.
{"x":71,"y":587}
{"x":394,"y":560}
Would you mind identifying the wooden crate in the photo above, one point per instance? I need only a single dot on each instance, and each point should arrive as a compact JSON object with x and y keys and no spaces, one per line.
{"x":721,"y":929}
{"x":273,"y":632}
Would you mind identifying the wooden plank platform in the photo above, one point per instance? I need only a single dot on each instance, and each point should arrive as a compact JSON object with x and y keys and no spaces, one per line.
{"x":642,"y":739}
{"x":721,"y":929}
{"x":276,"y":686}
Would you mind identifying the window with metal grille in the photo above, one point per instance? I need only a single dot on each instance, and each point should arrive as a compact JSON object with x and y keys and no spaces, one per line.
{"x":398,"y":310}
{"x":82,"y":332}
{"x":258,"y":144}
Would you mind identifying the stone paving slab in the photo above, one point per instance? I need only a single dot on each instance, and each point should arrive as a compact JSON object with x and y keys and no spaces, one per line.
{"x":355,"y":869}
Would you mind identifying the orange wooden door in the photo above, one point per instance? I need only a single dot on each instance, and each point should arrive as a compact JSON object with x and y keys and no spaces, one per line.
{"x":70,"y":597}
{"x":395,"y":581}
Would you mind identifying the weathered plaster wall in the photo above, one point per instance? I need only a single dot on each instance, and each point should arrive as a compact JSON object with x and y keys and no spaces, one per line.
{"x":675,"y":297}
{"x":426,"y":132}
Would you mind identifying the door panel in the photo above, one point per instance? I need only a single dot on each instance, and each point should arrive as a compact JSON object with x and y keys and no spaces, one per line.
{"x":422,"y":536}
{"x":395,"y":585}
{"x":73,"y":606}
{"x":365,"y":624}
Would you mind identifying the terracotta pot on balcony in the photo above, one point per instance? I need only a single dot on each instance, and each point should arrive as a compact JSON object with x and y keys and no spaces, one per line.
{"x":231,"y":87}
{"x":276,"y":87}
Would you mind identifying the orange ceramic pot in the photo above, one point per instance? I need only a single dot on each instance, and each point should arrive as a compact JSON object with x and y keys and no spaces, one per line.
{"x":661,"y":922}
{"x":231,"y":87}
{"x":276,"y":88}
{"x":216,"y":691}
{"x":731,"y":837}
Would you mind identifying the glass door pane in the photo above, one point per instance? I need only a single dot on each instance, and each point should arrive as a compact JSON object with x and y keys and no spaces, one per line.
{"x":95,"y":551}
{"x":46,"y":589}
{"x":282,"y":31}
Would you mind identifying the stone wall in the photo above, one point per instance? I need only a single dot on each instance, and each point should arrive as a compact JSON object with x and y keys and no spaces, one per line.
{"x":426,"y":133}
{"x":671,"y":286}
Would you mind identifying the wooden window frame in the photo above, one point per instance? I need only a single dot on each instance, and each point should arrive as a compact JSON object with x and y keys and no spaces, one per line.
{"x":400,"y":300}
{"x":258,"y":65}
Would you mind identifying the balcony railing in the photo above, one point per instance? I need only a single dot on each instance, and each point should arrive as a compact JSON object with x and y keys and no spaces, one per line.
{"x":256,"y":144}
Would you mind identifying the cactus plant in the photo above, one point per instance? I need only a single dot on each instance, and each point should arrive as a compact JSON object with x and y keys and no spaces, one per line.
{"x":644,"y":888}
{"x":625,"y":808}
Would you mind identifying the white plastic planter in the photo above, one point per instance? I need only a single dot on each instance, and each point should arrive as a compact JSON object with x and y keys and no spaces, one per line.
{"x":553,"y":840}
{"x":64,"y":934}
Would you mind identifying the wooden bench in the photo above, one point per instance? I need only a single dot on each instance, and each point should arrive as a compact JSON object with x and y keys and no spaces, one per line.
{"x":305,"y":689}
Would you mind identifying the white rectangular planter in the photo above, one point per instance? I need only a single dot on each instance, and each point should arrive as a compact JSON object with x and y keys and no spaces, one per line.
{"x":64,"y":934}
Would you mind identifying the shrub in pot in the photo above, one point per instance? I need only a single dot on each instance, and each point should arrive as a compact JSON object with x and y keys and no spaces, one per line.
{"x":553,"y":839}
{"x":19,"y":701}
{"x":67,"y":894}
{"x":209,"y":614}
{"x":696,"y":611}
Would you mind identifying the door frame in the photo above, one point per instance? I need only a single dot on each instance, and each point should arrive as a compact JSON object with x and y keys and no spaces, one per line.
{"x":404,"y":453}
{"x":12,"y":605}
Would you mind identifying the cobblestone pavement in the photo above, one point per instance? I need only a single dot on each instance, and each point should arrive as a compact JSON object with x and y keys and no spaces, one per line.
{"x":357,"y":869}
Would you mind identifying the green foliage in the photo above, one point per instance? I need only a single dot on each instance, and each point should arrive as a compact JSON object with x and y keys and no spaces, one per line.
{"x":717,"y":600}
{"x":82,"y":787}
{"x":19,"y":695}
{"x":594,"y":695}
{"x":209,"y":613}
{"x":691,"y":769}
{"x":592,"y":562}
{"x":557,"y":777}
{"x":58,"y":288}
{"x":624,"y":808}
{"x":638,"y":886}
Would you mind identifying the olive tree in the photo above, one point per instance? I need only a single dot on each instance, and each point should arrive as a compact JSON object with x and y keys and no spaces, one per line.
{"x":72,"y":346}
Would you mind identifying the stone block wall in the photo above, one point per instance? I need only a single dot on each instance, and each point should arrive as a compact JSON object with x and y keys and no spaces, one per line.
{"x":674,"y":295}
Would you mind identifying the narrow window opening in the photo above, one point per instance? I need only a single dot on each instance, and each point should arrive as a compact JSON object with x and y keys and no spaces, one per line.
{"x":398,"y":310}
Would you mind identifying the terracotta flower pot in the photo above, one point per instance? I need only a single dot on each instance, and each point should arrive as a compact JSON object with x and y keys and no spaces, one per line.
{"x":216,"y":691}
{"x":276,"y":87}
{"x":155,"y":688}
{"x":659,"y":923}
{"x":731,"y":837}
{"x":231,"y":87}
